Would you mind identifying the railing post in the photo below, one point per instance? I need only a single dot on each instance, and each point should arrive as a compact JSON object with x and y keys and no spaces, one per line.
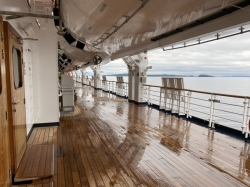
{"x":117,"y":88}
{"x":109,"y":87}
{"x":123,"y":89}
{"x":165,"y":99}
{"x":211,"y":119}
{"x":127,"y":90}
{"x":188,"y":104}
{"x":246,"y":117}
{"x":148,"y":95}
{"x":179,"y":102}
{"x":141,"y":96}
{"x":184,"y":97}
{"x":160,"y":99}
{"x":244,"y":123}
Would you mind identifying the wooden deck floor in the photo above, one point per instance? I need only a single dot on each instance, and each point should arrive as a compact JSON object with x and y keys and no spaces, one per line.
{"x":37,"y":163}
{"x":108,"y":141}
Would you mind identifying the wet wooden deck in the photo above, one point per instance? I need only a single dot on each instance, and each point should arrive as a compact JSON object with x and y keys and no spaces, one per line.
{"x":108,"y":141}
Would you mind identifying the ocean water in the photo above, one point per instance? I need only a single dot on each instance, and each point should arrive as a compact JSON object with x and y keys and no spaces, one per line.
{"x":229,"y":112}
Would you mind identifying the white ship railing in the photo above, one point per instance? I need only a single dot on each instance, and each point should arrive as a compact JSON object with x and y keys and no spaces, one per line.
{"x":216,"y":108}
{"x":118,"y":88}
{"x":213,"y":105}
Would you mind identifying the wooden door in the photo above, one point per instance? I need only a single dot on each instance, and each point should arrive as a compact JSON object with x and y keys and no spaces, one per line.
{"x":16,"y":101}
{"x":5,"y":167}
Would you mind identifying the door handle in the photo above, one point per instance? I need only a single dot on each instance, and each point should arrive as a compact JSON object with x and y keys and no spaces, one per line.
{"x":15,"y":103}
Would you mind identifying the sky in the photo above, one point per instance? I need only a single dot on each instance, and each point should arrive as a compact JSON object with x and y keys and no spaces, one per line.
{"x":225,"y":57}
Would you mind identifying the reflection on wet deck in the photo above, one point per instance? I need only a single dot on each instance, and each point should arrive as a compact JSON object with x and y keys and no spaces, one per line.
{"x":111,"y":142}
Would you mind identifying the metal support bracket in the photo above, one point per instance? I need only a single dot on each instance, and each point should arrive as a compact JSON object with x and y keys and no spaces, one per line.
{"x":14,"y":15}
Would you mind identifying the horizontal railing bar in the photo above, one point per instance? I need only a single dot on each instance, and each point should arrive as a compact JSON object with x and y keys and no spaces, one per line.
{"x":175,"y":105}
{"x":154,"y":99}
{"x":117,"y":82}
{"x":197,"y":91}
{"x":154,"y":91}
{"x":154,"y":95}
{"x":231,"y":104}
{"x":199,"y":111}
{"x":198,"y":98}
{"x":227,"y":119}
{"x":199,"y":105}
{"x":228,"y":112}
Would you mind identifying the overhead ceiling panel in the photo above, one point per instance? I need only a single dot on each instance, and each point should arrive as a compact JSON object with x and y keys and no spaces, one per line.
{"x":93,"y":20}
{"x":44,"y":7}
{"x":14,"y":6}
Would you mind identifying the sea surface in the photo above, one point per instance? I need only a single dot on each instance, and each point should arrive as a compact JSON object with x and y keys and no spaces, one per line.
{"x":229,"y":112}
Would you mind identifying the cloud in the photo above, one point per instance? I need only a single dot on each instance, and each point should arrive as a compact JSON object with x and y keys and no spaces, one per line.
{"x":226,"y":57}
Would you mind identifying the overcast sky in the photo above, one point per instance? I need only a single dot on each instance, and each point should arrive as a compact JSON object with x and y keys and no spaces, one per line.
{"x":226,"y":57}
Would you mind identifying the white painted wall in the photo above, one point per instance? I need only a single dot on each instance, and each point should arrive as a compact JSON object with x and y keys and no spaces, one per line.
{"x":46,"y":100}
{"x":28,"y":49}
{"x":41,"y":76}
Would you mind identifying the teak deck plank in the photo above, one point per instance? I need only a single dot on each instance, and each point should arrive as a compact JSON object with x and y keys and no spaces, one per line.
{"x":108,"y":141}
{"x":35,"y":185}
{"x":36,"y":163}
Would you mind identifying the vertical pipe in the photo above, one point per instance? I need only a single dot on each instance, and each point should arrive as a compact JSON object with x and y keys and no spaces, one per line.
{"x":165,"y":99}
{"x":179,"y":102}
{"x":213,"y":122}
{"x":247,"y":120}
{"x":211,"y":111}
{"x":184,"y":101}
{"x":109,"y":87}
{"x":188,"y":104}
{"x":244,"y":116}
{"x":160,"y":99}
{"x":172,"y":105}
{"x":149,"y":95}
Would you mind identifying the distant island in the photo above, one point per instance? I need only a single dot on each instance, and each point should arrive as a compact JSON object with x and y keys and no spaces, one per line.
{"x":203,"y":75}
{"x":153,"y":75}
{"x":173,"y":75}
{"x":160,"y":75}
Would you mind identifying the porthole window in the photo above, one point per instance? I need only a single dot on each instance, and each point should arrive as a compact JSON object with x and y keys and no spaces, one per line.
{"x":17,"y":65}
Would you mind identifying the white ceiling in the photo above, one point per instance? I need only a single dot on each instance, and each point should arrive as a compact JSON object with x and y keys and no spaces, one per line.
{"x":14,"y":5}
{"x":90,"y":20}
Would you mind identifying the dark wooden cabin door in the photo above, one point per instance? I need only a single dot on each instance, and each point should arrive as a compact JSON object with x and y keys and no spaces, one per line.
{"x":16,"y":96}
{"x":5,"y":160}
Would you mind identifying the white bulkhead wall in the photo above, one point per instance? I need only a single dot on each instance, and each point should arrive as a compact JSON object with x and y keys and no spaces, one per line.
{"x":84,"y":80}
{"x":41,"y":77}
{"x":140,"y":78}
{"x":29,"y":48}
{"x":47,"y":77}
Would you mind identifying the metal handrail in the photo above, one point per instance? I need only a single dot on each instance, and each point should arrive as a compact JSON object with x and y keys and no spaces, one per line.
{"x":169,"y":96}
{"x":203,"y":92}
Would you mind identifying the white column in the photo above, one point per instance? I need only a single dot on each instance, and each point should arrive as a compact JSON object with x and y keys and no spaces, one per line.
{"x":131,"y":82}
{"x":97,"y":76}
{"x":137,"y":72}
{"x":84,"y":81}
{"x":140,"y":78}
{"x":78,"y":76}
